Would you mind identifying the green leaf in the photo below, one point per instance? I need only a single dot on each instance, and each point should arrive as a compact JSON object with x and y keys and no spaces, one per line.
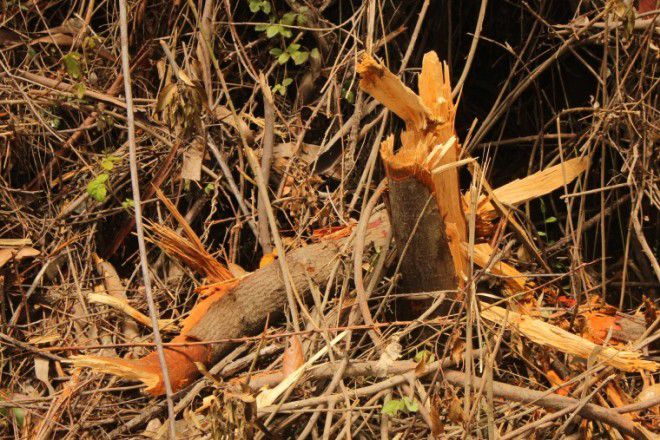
{"x":293,"y":47}
{"x":392,"y":407}
{"x":208,"y":189}
{"x":283,"y":58}
{"x":255,"y":5}
{"x":265,"y":6}
{"x":411,"y":404}
{"x":279,"y":88}
{"x":276,"y":51}
{"x":287,"y":82}
{"x":71,"y":63}
{"x":301,"y":16}
{"x":286,"y":33}
{"x":97,"y":189}
{"x":300,"y":57}
{"x":551,"y":220}
{"x":315,"y":53}
{"x":261,"y":27}
{"x":128,"y":204}
{"x":272,"y":30}
{"x":424,"y":355}
{"x":92,"y":42}
{"x":288,"y":19}
{"x":79,"y":90}
{"x":19,"y":415}
{"x":542,"y":234}
{"x":108,"y":162}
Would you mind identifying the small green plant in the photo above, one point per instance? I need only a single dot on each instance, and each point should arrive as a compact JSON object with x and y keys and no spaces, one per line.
{"x":281,"y":26}
{"x":281,"y":87}
{"x":209,"y":188}
{"x":92,"y":42}
{"x":108,"y":162}
{"x":72,"y":64}
{"x":407,"y":404}
{"x":274,"y":29}
{"x":260,"y":5}
{"x":298,"y":17}
{"x":97,"y":188}
{"x":128,"y":204}
{"x":292,"y":52}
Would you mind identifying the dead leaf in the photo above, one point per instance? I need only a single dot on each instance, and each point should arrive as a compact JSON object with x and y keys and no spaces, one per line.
{"x":293,"y":356}
{"x":391,"y":353}
{"x":41,"y":366}
{"x":193,"y":156}
{"x":455,"y":411}
{"x":9,"y":254}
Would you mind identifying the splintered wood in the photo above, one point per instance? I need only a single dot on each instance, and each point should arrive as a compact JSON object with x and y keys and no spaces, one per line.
{"x":549,"y":335}
{"x":425,"y":167}
{"x":533,"y":186}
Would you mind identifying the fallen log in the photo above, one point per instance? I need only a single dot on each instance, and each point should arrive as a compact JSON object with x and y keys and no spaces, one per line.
{"x":236,"y":309}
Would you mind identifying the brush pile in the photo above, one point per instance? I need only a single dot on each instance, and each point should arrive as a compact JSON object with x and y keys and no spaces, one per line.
{"x":329,"y":219}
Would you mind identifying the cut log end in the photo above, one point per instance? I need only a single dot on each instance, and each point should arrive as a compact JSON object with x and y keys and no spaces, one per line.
{"x":181,"y":365}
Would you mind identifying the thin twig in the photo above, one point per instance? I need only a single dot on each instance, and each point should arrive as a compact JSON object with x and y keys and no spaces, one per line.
{"x":135,"y":185}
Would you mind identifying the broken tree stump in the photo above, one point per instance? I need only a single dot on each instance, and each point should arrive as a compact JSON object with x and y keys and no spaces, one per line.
{"x":425,"y":202}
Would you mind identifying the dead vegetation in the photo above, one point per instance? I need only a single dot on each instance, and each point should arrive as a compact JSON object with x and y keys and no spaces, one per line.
{"x":283,"y":219}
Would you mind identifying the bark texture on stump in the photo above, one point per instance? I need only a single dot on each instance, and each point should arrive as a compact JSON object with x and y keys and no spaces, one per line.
{"x":426,"y":260}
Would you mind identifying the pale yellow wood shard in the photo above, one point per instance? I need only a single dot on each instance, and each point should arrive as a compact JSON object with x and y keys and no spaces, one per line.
{"x":124,"y":368}
{"x":390,"y":91}
{"x":18,"y":254}
{"x":431,"y":83}
{"x":122,"y":305}
{"x":548,"y":335}
{"x":535,"y":185}
{"x":513,"y":278}
{"x":435,"y":91}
